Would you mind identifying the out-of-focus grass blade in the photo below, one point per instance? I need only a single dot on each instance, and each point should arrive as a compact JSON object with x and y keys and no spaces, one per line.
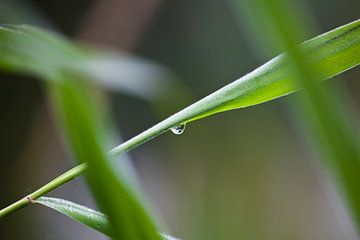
{"x":20,"y":11}
{"x":113,"y":191}
{"x":325,"y":113}
{"x":93,"y":219}
{"x":31,"y":50}
{"x":131,"y":74}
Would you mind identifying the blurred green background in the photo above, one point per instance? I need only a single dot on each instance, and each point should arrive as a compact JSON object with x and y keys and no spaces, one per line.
{"x":244,"y":174}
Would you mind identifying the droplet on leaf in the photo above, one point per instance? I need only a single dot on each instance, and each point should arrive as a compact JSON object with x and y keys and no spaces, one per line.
{"x":179,"y":129}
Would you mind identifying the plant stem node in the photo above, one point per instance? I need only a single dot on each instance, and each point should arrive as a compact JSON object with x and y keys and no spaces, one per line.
{"x":30,"y":200}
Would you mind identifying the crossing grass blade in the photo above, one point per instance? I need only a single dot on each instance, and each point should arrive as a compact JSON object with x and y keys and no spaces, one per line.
{"x":329,"y":54}
{"x":91,"y":218}
{"x":324,"y":112}
{"x":84,"y":127}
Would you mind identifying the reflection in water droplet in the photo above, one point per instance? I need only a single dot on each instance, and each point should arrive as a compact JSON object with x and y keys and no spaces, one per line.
{"x":179,"y":129}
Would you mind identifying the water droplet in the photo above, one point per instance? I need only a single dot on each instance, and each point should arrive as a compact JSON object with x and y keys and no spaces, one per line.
{"x":179,"y":129}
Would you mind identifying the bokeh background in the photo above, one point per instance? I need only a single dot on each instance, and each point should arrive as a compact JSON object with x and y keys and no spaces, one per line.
{"x":245,"y":174}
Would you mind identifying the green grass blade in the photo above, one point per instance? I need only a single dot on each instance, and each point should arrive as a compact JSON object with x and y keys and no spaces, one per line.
{"x":325,"y":113}
{"x":330,"y":53}
{"x":31,"y":50}
{"x":113,"y":191}
{"x":91,"y":218}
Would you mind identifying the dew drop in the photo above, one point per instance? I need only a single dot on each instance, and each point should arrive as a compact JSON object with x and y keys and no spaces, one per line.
{"x":179,"y":129}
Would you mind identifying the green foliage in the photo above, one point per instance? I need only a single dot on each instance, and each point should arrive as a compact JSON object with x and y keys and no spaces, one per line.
{"x":325,"y":113}
{"x":65,"y":67}
{"x":26,"y":49}
{"x":93,"y":219}
{"x":33,"y":51}
{"x":330,"y":54}
{"x":82,"y":122}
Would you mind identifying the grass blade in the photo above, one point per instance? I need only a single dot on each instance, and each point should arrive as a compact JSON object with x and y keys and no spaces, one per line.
{"x":330,"y":53}
{"x":31,"y":50}
{"x":113,"y":191}
{"x":91,"y":218}
{"x":325,"y":113}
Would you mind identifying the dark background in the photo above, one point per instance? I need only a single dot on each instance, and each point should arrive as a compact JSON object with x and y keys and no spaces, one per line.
{"x":244,"y":174}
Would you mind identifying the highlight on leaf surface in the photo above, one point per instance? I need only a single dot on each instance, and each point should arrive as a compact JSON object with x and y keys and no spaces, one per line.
{"x":91,"y":218}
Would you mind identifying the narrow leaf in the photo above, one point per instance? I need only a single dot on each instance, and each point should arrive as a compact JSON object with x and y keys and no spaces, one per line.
{"x":325,"y":112}
{"x":93,"y":219}
{"x":83,"y":124}
{"x":330,"y":54}
{"x":31,"y":50}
